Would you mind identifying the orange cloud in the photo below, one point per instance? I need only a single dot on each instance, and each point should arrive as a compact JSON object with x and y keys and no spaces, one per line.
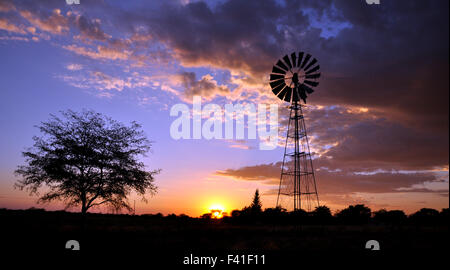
{"x":5,"y":25}
{"x":6,"y":6}
{"x":55,"y":23}
{"x":101,"y":53}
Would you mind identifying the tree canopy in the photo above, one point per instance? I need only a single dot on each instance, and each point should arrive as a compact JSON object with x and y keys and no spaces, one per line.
{"x":87,"y":159}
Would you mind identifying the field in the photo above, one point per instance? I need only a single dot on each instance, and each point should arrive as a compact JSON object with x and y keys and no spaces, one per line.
{"x":172,"y":238}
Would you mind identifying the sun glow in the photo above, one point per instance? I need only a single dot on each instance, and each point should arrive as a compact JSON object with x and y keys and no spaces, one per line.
{"x":217,"y":211}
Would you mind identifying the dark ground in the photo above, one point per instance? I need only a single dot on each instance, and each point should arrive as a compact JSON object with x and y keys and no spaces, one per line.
{"x":167,"y":240}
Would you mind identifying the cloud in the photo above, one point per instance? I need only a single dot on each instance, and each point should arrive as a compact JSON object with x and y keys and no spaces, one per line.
{"x":74,"y":67}
{"x":368,"y":140}
{"x":101,"y":53}
{"x":5,"y":25}
{"x":106,"y":82}
{"x":6,"y":6}
{"x":90,"y":29}
{"x":339,"y":182}
{"x":362,"y":65}
{"x":56,"y":23}
{"x":206,"y":87}
{"x":15,"y":38}
{"x":98,"y":80}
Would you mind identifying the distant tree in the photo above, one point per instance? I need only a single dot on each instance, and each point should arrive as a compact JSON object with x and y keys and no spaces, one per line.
{"x":444,"y":215}
{"x":389,"y":217}
{"x":206,"y":216}
{"x":276,"y":211}
{"x":274,"y":215}
{"x":355,"y":214}
{"x":299,"y":216}
{"x":183,"y":217}
{"x":322,"y":215}
{"x":235,"y":213}
{"x":256,"y":206}
{"x":322,"y":211}
{"x":86,"y":160}
{"x":425,"y":216}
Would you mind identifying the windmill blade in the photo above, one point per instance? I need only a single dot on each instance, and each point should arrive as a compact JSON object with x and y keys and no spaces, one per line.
{"x":306,"y":89}
{"x":310,"y":64}
{"x":283,"y":92}
{"x":294,"y":59}
{"x":275,"y":69}
{"x":282,"y":65}
{"x":302,"y":94}
{"x":292,"y":64}
{"x":278,"y":89}
{"x":313,"y":76}
{"x":300,"y":58}
{"x":288,"y":95}
{"x":287,"y":61}
{"x":308,"y":56}
{"x":276,"y":83}
{"x":276,"y":77}
{"x":311,"y":83}
{"x":313,"y":70}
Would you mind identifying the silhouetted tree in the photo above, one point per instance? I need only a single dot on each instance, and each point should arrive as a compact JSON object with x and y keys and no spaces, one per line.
{"x":390,"y":217}
{"x":235,"y":213}
{"x":355,"y":214}
{"x":425,"y":216}
{"x":207,"y":216}
{"x":256,"y":205}
{"x":87,"y":159}
{"x":276,"y":211}
{"x":274,"y":215}
{"x":444,"y":216}
{"x":299,"y":216}
{"x":322,"y":215}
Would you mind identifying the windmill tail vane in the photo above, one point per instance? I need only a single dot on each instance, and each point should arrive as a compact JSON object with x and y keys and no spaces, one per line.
{"x":292,"y":80}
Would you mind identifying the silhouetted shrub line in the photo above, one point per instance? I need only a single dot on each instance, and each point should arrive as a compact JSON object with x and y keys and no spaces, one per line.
{"x":353,"y":215}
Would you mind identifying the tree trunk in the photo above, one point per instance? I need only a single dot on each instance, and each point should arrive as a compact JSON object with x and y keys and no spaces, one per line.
{"x":83,"y":217}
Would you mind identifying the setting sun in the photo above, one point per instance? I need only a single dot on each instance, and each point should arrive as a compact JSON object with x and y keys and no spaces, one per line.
{"x":217,"y":211}
{"x":217,"y":207}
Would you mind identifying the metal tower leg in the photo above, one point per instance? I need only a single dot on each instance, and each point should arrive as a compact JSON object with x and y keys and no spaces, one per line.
{"x":297,"y":189}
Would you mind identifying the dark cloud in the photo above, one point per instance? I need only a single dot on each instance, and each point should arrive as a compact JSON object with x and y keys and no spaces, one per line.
{"x":392,"y":58}
{"x":90,"y":28}
{"x":206,"y":87}
{"x":340,"y":181}
{"x":365,"y":140}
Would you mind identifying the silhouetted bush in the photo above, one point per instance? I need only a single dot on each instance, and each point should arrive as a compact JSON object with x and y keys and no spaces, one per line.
{"x":321,"y":215}
{"x":171,"y":216}
{"x":298,"y":217}
{"x":390,"y":217}
{"x":206,"y":216}
{"x":275,"y":215}
{"x":425,"y":216}
{"x":444,"y":216}
{"x":235,"y":213}
{"x":354,"y":214}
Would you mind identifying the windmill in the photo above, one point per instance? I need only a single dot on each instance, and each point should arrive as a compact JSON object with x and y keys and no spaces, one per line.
{"x":292,"y":80}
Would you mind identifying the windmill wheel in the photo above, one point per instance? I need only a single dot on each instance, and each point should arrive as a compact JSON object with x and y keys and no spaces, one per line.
{"x":294,"y":77}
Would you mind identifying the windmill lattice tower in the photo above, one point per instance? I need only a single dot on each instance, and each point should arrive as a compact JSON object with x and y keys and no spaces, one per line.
{"x":292,"y":78}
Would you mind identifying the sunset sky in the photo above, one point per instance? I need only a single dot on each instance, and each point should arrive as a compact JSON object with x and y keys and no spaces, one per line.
{"x":378,"y":122}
